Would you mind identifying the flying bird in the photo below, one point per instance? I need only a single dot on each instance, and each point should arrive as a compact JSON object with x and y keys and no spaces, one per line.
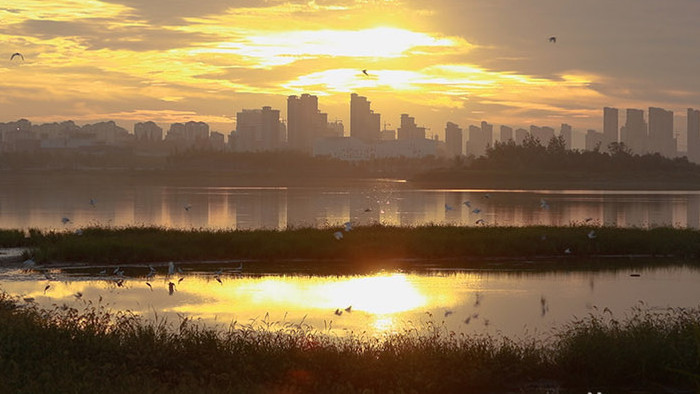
{"x":480,"y":221}
{"x":338,"y":235}
{"x":468,"y":204}
{"x":348,"y":309}
{"x":338,"y":312}
{"x":171,"y":288}
{"x":448,"y":207}
{"x":348,"y":226}
{"x":553,"y":40}
{"x":363,"y":71}
{"x":592,"y":234}
{"x":16,"y":54}
{"x":65,"y":220}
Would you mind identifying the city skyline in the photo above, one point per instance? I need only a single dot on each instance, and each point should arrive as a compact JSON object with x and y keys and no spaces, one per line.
{"x":459,"y":61}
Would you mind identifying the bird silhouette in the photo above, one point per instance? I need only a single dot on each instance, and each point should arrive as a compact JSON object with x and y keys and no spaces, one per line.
{"x":365,"y":72}
{"x":553,"y":40}
{"x":17,"y":54}
{"x":338,"y":235}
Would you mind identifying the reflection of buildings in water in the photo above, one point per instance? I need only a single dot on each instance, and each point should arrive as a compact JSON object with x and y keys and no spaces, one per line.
{"x":415,"y":209}
{"x":217,"y":210}
{"x":149,"y":205}
{"x":301,"y":210}
{"x":365,"y":208}
{"x":260,"y":209}
{"x":610,"y":213}
{"x":660,"y":213}
{"x":636,"y":214}
{"x":334,"y":209}
{"x":693,"y":212}
{"x":679,"y":209}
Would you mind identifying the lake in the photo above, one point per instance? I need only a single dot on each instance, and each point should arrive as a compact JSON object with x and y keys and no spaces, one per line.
{"x":514,"y":303}
{"x":43,"y":203}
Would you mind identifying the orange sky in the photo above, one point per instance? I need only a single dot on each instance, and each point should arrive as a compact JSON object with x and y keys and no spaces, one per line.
{"x":446,"y":60}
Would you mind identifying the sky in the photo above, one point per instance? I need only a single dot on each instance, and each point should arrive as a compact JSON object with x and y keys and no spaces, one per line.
{"x":462,"y":61}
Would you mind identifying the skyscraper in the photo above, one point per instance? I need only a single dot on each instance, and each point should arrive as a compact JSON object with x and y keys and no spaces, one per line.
{"x":610,"y":126}
{"x":453,"y":139}
{"x":409,"y":130}
{"x":305,"y":122}
{"x":506,"y":133}
{"x":364,"y":123}
{"x":661,"y":132}
{"x":634,"y":133}
{"x":566,"y":133}
{"x":693,"y":135}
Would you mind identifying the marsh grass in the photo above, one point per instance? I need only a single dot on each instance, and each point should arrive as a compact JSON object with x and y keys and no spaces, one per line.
{"x":362,"y":244}
{"x":91,"y":350}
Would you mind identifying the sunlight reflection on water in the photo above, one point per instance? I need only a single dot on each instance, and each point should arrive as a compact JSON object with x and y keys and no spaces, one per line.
{"x":512,"y":303}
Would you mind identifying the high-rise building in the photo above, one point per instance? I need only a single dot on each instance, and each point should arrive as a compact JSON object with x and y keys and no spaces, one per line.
{"x":305,"y":122}
{"x":661,"y":132}
{"x":409,"y":130}
{"x":542,"y":134}
{"x":634,"y":133}
{"x":479,"y":139}
{"x":453,"y":139}
{"x":148,"y":131}
{"x":506,"y":133}
{"x":693,"y":133}
{"x":594,"y":140}
{"x":258,"y":130}
{"x":566,"y":133}
{"x":610,"y":126}
{"x":364,"y":123}
{"x":520,"y":136}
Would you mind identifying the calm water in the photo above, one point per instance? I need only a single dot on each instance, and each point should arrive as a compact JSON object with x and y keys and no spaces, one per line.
{"x":39,"y":204}
{"x":511,"y":303}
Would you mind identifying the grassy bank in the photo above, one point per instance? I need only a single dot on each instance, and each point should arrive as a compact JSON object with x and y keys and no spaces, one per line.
{"x":90,"y":350}
{"x":363,"y":244}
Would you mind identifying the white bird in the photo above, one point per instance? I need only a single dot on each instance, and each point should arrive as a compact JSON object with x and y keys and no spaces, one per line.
{"x":592,"y":234}
{"x":79,"y":232}
{"x":544,"y":204}
{"x":93,"y":202}
{"x":188,"y":207}
{"x":567,"y":250}
{"x":338,"y":235}
{"x":468,"y":204}
{"x":65,"y":220}
{"x":476,"y":210}
{"x":171,"y":268}
{"x":29,"y":264}
{"x":348,"y":226}
{"x":448,"y":208}
{"x":116,"y":270}
{"x":487,"y":195}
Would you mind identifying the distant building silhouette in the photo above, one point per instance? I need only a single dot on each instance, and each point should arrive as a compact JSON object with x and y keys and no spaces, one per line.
{"x":506,"y":133}
{"x":660,"y":136}
{"x":453,"y":139}
{"x":364,"y":123}
{"x":610,"y":126}
{"x":594,"y":140}
{"x":520,"y":136}
{"x":542,"y":134}
{"x":634,"y":133}
{"x":479,"y":139}
{"x":148,"y":132}
{"x":258,"y":130}
{"x":305,"y":123}
{"x":693,"y":134}
{"x":409,"y":130}
{"x":567,"y":134}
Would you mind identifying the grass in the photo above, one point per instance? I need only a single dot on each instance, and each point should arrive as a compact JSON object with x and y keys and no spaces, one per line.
{"x":363,"y":244}
{"x":89,"y":350}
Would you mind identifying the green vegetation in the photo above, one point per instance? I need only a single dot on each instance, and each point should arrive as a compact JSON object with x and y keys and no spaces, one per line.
{"x":369,"y":245}
{"x":93,"y":350}
{"x":534,"y":165}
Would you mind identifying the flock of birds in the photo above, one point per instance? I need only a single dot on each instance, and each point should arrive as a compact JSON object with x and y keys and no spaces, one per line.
{"x":118,"y":277}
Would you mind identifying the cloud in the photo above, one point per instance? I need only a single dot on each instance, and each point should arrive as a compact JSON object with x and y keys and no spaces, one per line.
{"x":98,"y":33}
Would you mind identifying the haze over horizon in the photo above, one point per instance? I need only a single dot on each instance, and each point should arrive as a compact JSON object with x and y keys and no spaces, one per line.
{"x":449,"y":60}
